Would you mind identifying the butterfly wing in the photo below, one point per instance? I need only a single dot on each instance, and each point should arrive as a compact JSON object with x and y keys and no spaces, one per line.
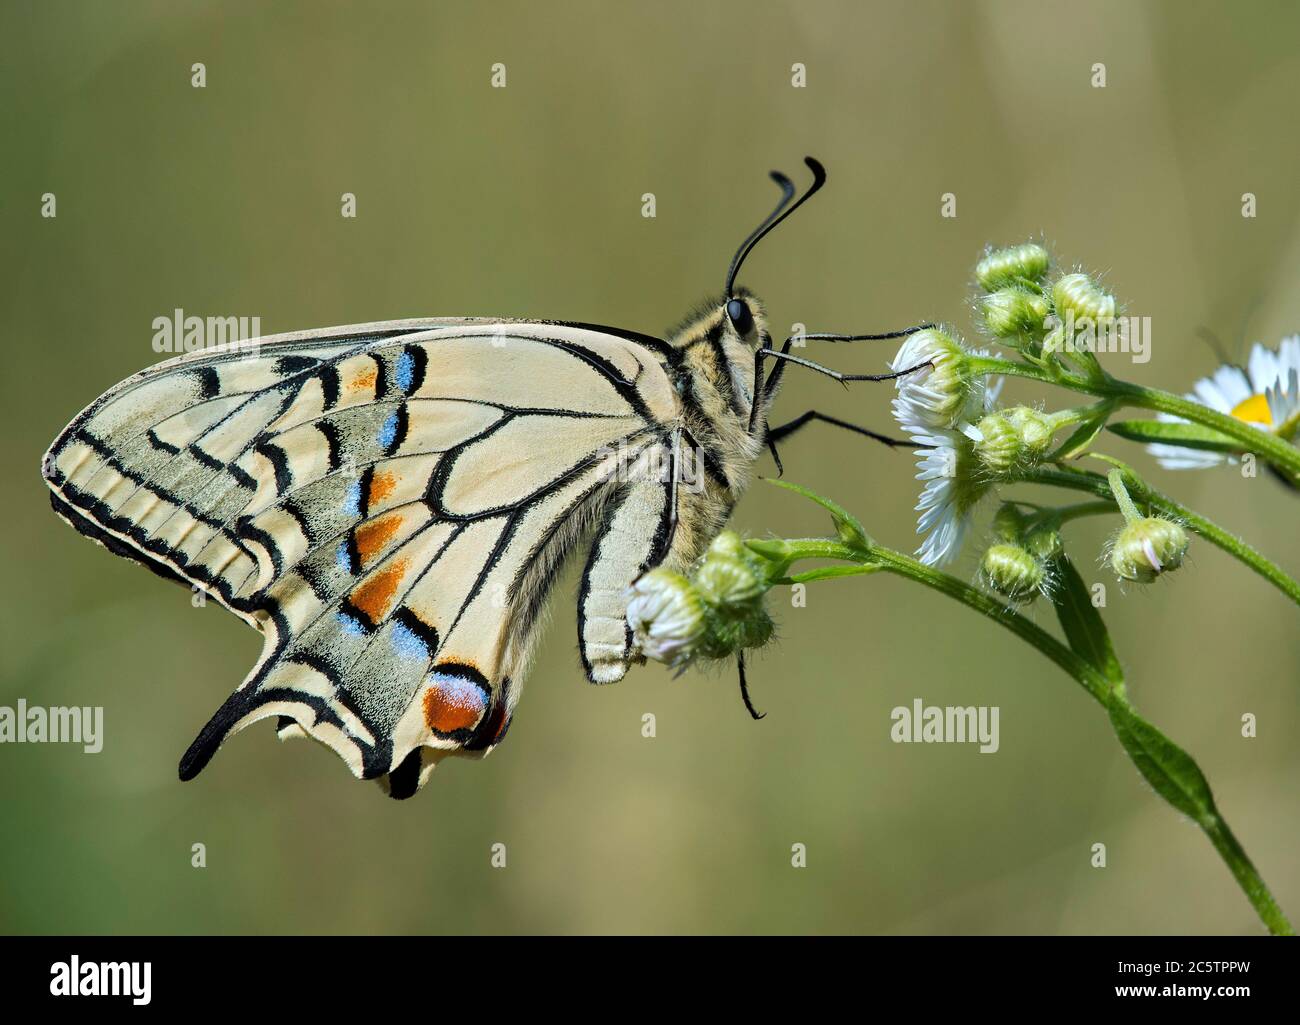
{"x":387,"y":505}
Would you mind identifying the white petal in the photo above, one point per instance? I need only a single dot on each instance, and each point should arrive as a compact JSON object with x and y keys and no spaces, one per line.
{"x":1284,"y":399}
{"x":1288,"y":355}
{"x":1176,"y":457}
{"x":1263,"y":369}
{"x":1224,"y":390}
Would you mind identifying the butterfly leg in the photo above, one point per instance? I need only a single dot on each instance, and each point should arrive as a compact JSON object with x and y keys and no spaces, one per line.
{"x":744,"y":688}
{"x":635,"y":535}
{"x":835,"y":375}
{"x":785,"y":430}
{"x":768,"y":387}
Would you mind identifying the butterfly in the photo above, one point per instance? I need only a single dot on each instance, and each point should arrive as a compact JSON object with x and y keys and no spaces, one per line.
{"x":389,"y":504}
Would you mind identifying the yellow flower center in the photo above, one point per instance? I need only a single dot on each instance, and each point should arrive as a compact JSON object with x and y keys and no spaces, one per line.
{"x":1254,"y":410}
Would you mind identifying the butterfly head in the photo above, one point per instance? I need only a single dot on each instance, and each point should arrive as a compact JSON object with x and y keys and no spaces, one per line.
{"x":742,"y":319}
{"x":719,"y":345}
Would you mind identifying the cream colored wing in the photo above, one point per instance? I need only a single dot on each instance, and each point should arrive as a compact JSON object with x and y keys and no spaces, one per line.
{"x":387,"y":504}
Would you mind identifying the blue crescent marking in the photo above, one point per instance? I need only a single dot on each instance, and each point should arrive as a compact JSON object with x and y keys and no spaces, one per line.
{"x":405,"y":371}
{"x":350,"y":624}
{"x":388,"y":432}
{"x":352,"y":504}
{"x":407,"y":643}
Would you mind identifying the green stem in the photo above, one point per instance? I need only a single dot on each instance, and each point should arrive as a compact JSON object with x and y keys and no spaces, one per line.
{"x":878,"y":558}
{"x":1247,"y":876}
{"x":1115,"y":480}
{"x":1068,"y":513}
{"x":1110,"y":695}
{"x":1096,"y":484}
{"x":1264,"y":444}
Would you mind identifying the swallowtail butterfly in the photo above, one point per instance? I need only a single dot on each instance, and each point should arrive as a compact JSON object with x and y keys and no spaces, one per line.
{"x":388,"y":504}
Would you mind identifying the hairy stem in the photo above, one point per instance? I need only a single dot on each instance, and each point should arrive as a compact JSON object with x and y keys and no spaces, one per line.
{"x":1264,"y":444}
{"x":1096,"y":484}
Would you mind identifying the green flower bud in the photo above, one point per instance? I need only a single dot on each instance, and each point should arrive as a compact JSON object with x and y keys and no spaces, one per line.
{"x":1045,"y":544}
{"x":1013,"y":572}
{"x":1054,"y":340}
{"x":997,"y":443}
{"x":1000,"y":267}
{"x":1146,"y":547}
{"x":1009,"y":522}
{"x":728,"y":583}
{"x":1010,"y":439}
{"x":726,"y":637}
{"x":729,"y":576}
{"x":729,"y":544}
{"x":1035,"y":429}
{"x":1079,"y":296}
{"x":1015,"y":313}
{"x":666,"y":615}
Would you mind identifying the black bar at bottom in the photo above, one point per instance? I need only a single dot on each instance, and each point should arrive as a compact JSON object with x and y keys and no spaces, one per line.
{"x":613,"y":976}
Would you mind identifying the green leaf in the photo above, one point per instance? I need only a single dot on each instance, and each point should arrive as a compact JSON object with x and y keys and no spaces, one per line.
{"x":1165,"y":765}
{"x":1084,"y":434}
{"x":830,"y":572}
{"x":1084,"y":628}
{"x":846,"y":524}
{"x":1175,"y":433}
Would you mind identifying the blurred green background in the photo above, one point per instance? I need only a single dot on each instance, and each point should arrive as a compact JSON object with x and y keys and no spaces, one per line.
{"x":526,"y":201}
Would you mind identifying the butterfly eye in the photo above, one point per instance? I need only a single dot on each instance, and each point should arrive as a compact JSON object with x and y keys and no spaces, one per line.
{"x":740,"y":316}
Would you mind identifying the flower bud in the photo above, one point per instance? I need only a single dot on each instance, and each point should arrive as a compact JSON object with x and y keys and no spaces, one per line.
{"x":1146,"y":547}
{"x":1009,"y":522}
{"x":1054,"y":340}
{"x":997,"y":443}
{"x":1010,"y":439}
{"x":751,"y":630}
{"x":1045,"y":544}
{"x":1013,"y":313}
{"x":728,"y":578}
{"x":1013,"y":572}
{"x":1001,"y":267}
{"x":666,"y":616}
{"x":1078,"y":296}
{"x":1035,"y":429}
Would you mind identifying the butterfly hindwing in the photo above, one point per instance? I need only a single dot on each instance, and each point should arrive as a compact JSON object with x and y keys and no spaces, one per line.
{"x":387,"y":504}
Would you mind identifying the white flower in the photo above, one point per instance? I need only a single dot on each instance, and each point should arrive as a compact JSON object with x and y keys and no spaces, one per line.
{"x":955,"y":482}
{"x":943,"y":394}
{"x":1265,"y":394}
{"x":666,"y":617}
{"x":935,"y":407}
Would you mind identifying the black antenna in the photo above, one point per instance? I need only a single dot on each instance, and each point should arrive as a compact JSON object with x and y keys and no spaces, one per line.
{"x":776,"y":216}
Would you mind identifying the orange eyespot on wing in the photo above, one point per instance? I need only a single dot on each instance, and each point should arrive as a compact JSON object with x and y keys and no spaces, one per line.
{"x":455,"y":700}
